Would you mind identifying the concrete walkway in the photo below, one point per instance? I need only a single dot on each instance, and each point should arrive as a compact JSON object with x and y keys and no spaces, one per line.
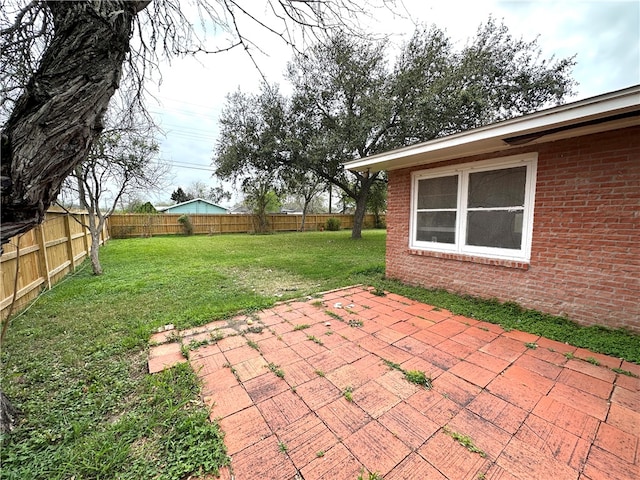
{"x":316,"y":390}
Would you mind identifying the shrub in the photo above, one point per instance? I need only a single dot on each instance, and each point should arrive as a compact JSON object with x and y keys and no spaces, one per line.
{"x":187,"y":227}
{"x":333,"y":224}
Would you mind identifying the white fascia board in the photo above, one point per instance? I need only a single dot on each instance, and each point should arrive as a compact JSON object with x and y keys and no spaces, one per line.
{"x":490,"y":138}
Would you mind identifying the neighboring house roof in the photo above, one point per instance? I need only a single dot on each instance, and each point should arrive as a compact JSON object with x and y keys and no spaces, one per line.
{"x":610,"y":111}
{"x":189,"y":202}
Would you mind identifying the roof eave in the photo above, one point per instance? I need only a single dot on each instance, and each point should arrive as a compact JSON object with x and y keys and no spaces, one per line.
{"x":605,"y":112}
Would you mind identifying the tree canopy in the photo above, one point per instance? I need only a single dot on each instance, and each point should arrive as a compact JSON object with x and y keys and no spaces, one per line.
{"x":63,"y":61}
{"x":350,"y":101}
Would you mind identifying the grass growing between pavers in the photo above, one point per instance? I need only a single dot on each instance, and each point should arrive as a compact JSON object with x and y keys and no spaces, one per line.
{"x":75,"y":362}
{"x":617,"y":342}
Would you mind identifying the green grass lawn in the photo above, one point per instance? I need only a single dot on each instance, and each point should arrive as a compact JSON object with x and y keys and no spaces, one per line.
{"x":75,"y":362}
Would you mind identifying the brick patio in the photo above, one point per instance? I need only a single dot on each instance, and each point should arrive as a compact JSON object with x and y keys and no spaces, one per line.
{"x":533,"y":407}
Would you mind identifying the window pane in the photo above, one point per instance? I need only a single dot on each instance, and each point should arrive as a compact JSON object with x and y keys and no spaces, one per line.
{"x":437,"y":227}
{"x":500,"y":229}
{"x":497,"y":188}
{"x":435,"y":193}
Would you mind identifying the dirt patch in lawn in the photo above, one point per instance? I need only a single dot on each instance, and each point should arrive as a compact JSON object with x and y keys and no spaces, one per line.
{"x":271,"y":283}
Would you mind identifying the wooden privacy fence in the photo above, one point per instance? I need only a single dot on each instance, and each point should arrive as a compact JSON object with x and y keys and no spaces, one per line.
{"x":146,"y":225}
{"x":45,"y":255}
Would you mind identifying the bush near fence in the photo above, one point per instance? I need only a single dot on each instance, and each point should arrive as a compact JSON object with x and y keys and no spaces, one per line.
{"x":45,"y":255}
{"x":146,"y":225}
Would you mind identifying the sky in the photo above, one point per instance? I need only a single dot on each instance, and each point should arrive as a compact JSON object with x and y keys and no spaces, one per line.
{"x":603,"y":35}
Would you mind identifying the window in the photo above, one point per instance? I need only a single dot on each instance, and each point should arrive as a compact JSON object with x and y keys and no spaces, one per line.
{"x":483,"y":209}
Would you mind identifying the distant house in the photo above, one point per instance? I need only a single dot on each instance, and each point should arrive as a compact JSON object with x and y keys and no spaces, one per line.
{"x":195,"y":206}
{"x":542,"y":210}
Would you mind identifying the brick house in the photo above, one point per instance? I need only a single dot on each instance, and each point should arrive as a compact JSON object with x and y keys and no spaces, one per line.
{"x":542,"y":210}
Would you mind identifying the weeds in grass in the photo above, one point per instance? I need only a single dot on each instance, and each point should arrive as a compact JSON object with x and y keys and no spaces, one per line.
{"x":254,"y":329}
{"x":276,"y":369}
{"x":464,"y":440}
{"x":592,"y":361}
{"x":531,"y":345}
{"x":320,"y":453}
{"x":317,"y":303}
{"x":624,"y":372}
{"x":283,"y":447}
{"x":569,"y":355}
{"x":320,"y":373}
{"x":253,"y":345}
{"x":356,"y":323}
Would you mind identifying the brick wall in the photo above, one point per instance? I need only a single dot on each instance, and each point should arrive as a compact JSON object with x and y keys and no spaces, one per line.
{"x":585,"y":258}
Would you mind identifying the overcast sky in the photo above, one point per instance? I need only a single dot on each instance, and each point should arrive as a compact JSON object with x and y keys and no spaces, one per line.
{"x":604,"y":35}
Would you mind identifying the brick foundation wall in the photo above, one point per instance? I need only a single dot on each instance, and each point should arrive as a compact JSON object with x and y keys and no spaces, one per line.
{"x":585,"y":258}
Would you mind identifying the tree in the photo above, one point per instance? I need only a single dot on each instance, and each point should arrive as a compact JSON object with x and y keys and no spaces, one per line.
{"x":119,"y":163}
{"x":350,"y":104}
{"x":261,"y":198}
{"x":251,"y":148}
{"x":63,"y":61}
{"x":179,"y":196}
{"x":305,"y":185}
{"x":199,"y":189}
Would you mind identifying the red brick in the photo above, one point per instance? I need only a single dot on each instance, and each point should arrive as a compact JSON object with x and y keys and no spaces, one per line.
{"x":472,"y":373}
{"x":520,"y":387}
{"x":263,"y":460}
{"x":228,"y":401}
{"x":585,"y":383}
{"x":305,"y":439}
{"x":374,"y":399}
{"x":489,"y":362}
{"x":452,"y":459}
{"x":218,"y":381}
{"x":557,"y":442}
{"x":244,"y":428}
{"x":414,"y":467}
{"x":376,"y":448}
{"x":601,"y":373}
{"x":539,"y":366}
{"x":343,"y":418}
{"x":487,"y":436}
{"x":602,"y":465}
{"x":455,"y":388}
{"x":282,"y":409}
{"x":502,"y":414}
{"x":523,"y":460}
{"x":265,"y":386}
{"x":318,"y":392}
{"x":568,"y":418}
{"x":626,"y":398}
{"x":252,"y":368}
{"x":624,"y":418}
{"x":434,"y":406}
{"x":617,"y":442}
{"x":409,"y":425}
{"x":582,"y":401}
{"x":337,"y":463}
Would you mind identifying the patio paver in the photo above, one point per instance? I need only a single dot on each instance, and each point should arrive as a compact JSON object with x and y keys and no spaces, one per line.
{"x":532,"y":411}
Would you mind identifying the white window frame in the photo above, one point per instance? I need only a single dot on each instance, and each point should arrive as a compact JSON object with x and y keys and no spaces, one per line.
{"x":530,"y":160}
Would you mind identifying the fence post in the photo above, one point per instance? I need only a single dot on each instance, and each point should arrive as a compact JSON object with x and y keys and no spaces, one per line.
{"x":67,"y":229}
{"x":42,"y":253}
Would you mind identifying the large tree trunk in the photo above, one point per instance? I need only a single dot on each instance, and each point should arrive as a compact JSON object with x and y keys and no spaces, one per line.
{"x":58,"y":116}
{"x":361,"y":204}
